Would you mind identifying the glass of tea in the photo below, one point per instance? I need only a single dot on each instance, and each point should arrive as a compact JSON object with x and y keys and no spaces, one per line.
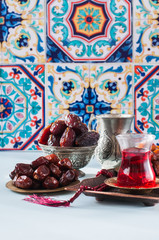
{"x":136,"y":169}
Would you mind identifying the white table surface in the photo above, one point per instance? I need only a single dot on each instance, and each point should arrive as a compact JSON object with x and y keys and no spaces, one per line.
{"x":84,"y":219}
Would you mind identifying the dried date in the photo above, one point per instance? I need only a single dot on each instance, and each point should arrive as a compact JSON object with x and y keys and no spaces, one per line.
{"x":72,"y":120}
{"x":58,"y":127}
{"x":67,"y":177}
{"x":53,"y":140}
{"x":53,"y":158}
{"x":55,"y":170}
{"x":39,"y":161}
{"x":80,"y":129}
{"x":41,"y":173}
{"x":23,"y":169}
{"x":44,"y":135}
{"x":68,"y":138}
{"x":87,"y":139}
{"x":12,"y":174}
{"x":65,"y":164}
{"x":50,"y":183}
{"x":23,"y":182}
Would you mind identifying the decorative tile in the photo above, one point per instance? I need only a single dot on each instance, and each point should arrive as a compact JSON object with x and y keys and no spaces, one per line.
{"x":146,"y":9}
{"x":146,"y":42}
{"x":72,"y":89}
{"x":22,"y":107}
{"x":146,"y":98}
{"x":66,"y":86}
{"x":113,"y":85}
{"x":147,"y":122}
{"x":146,"y":88}
{"x":89,"y":30}
{"x":22,"y":40}
{"x":24,"y":9}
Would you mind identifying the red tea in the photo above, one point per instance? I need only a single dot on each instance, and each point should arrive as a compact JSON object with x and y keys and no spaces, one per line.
{"x":136,"y":169}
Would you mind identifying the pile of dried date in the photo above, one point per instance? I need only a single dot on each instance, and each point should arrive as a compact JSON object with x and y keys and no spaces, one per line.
{"x":155,"y":158}
{"x":70,"y":132}
{"x":47,"y":172}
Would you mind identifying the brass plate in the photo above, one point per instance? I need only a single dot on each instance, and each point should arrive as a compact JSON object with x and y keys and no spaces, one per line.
{"x":11,"y":186}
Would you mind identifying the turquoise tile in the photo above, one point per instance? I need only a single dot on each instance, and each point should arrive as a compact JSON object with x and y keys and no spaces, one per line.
{"x":23,"y":105}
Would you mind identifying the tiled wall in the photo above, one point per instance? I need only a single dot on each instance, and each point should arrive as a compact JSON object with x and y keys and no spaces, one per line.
{"x":78,"y":56}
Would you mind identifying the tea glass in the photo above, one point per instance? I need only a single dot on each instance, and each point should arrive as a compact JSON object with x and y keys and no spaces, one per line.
{"x":136,"y":169}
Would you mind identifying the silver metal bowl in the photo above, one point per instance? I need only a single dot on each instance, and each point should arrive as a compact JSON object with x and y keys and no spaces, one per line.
{"x":79,"y":156}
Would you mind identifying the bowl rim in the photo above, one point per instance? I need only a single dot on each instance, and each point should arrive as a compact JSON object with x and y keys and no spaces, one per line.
{"x":62,"y":149}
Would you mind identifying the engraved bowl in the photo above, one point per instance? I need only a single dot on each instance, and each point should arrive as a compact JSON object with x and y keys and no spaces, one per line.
{"x":79,"y":156}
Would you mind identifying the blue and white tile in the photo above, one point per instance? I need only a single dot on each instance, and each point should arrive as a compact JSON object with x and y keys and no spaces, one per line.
{"x":66,"y":84}
{"x":25,"y":8}
{"x":24,"y":43}
{"x":113,"y":85}
{"x":146,"y":41}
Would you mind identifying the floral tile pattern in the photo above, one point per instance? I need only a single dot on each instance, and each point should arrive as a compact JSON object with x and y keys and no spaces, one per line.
{"x":147,"y":122}
{"x":67,"y":87}
{"x":22,"y":105}
{"x":146,"y":98}
{"x":113,"y":84}
{"x":89,"y":30}
{"x":88,"y":89}
{"x":146,"y":41}
{"x":146,"y":9}
{"x":22,"y":31}
{"x":146,"y":88}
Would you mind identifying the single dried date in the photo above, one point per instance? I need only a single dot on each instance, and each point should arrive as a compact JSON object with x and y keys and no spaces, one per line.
{"x":41,"y":173}
{"x":23,"y":182}
{"x":67,"y":177}
{"x":39,"y":161}
{"x":12,"y":174}
{"x":23,"y":169}
{"x":50,"y":183}
{"x":44,"y":135}
{"x":58,"y":127}
{"x":53,"y":140}
{"x":68,"y":138}
{"x":55,"y":170}
{"x":80,"y":129}
{"x":87,"y":139}
{"x":65,"y":164}
{"x":53,"y":158}
{"x":72,"y":120}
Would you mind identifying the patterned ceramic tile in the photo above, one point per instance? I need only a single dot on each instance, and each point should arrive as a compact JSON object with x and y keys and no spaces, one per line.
{"x":146,"y":97}
{"x":146,"y":9}
{"x":22,"y":107}
{"x":72,"y":89}
{"x":89,"y":30}
{"x":25,"y":9}
{"x":67,"y":87}
{"x":147,"y":122}
{"x":22,"y":40}
{"x":113,"y":85}
{"x":146,"y":42}
{"x":146,"y":87}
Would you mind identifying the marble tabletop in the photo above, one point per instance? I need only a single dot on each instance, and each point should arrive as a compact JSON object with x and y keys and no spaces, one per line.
{"x":86,"y":218}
